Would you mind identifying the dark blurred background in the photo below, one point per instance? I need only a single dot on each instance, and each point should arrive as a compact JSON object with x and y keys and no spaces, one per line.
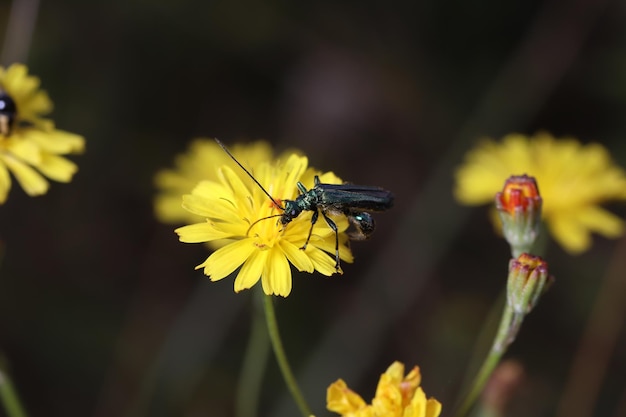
{"x":101,"y":311}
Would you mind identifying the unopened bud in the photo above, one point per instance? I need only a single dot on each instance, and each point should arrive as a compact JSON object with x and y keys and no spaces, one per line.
{"x":528,"y":280}
{"x":519,"y":207}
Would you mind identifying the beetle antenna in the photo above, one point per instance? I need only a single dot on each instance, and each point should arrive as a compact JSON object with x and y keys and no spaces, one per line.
{"x":262,"y":218}
{"x":251,"y":176}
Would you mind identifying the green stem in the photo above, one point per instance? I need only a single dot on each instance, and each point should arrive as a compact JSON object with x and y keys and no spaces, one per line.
{"x":277,"y":344}
{"x":9,"y":398}
{"x":507,"y":331}
{"x":518,"y":250}
{"x":253,"y":368}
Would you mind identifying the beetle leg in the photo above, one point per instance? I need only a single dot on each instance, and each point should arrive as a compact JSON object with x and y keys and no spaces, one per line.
{"x":333,"y":226}
{"x":313,"y":221}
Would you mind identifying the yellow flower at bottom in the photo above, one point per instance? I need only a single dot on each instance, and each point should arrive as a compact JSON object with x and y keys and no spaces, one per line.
{"x":397,"y":395}
{"x":573,"y":179}
{"x":237,"y":210}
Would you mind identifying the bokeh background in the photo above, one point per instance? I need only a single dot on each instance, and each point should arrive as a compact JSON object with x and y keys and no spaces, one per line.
{"x":101,"y":311}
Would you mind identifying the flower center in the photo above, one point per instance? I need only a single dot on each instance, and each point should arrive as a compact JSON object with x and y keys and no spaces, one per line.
{"x":267,"y":231}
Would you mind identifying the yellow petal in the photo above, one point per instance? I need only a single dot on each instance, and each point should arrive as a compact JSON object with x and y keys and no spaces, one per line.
{"x":169,"y":179}
{"x":5,"y":182}
{"x":225,"y":260}
{"x":296,"y":256}
{"x":330,"y":178}
{"x":481,"y":176}
{"x":57,"y":168}
{"x":211,"y":189}
{"x":31,"y":181}
{"x":388,"y":393}
{"x":573,"y":230}
{"x":24,"y":149}
{"x":298,"y":230}
{"x":14,"y":74}
{"x":323,"y":263}
{"x":24,"y":89}
{"x":433,"y":408}
{"x":251,"y":271}
{"x":328,"y":244}
{"x":601,"y":221}
{"x":200,"y":233}
{"x":40,"y":103}
{"x":276,"y":278}
{"x":211,"y":208}
{"x":417,"y":406}
{"x":234,"y":182}
{"x":57,"y":142}
{"x":294,"y":167}
{"x":571,"y":234}
{"x":199,"y":205}
{"x":168,"y":209}
{"x":342,"y":400}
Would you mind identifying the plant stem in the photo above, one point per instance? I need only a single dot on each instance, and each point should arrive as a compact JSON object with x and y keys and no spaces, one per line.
{"x":254,"y":362}
{"x":290,"y":380}
{"x":9,"y":398}
{"x":507,"y":331}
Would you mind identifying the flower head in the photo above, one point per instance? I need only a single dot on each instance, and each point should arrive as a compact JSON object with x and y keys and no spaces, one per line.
{"x":528,"y":280}
{"x":201,"y":162}
{"x":236,"y":209}
{"x":23,"y":92}
{"x":397,"y":395}
{"x":30,"y":146}
{"x":574,"y":180}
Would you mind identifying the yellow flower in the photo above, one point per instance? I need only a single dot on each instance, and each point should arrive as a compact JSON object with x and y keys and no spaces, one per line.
{"x":235,"y":209}
{"x":31,"y":102}
{"x":30,"y":146}
{"x":396,"y":396}
{"x":573,"y":178}
{"x":199,"y":163}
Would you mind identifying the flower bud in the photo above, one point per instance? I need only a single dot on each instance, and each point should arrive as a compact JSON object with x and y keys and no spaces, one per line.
{"x":519,"y":207}
{"x":528,"y":280}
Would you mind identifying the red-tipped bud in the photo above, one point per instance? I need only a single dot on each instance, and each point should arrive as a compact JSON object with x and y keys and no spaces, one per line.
{"x":519,"y":206}
{"x":520,"y":193}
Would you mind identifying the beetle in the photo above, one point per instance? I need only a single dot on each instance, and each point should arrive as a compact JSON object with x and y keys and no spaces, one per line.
{"x":353,"y":201}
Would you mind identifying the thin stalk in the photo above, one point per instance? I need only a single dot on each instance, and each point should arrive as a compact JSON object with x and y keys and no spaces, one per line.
{"x":9,"y":397}
{"x":507,"y":331}
{"x":279,"y":351}
{"x":19,"y":31}
{"x":254,"y":362}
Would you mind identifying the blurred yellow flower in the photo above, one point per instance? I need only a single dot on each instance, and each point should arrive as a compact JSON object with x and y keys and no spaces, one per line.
{"x":30,"y":146}
{"x":201,"y":162}
{"x":232,"y":204}
{"x":31,"y":102}
{"x":396,"y":396}
{"x":573,"y":179}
